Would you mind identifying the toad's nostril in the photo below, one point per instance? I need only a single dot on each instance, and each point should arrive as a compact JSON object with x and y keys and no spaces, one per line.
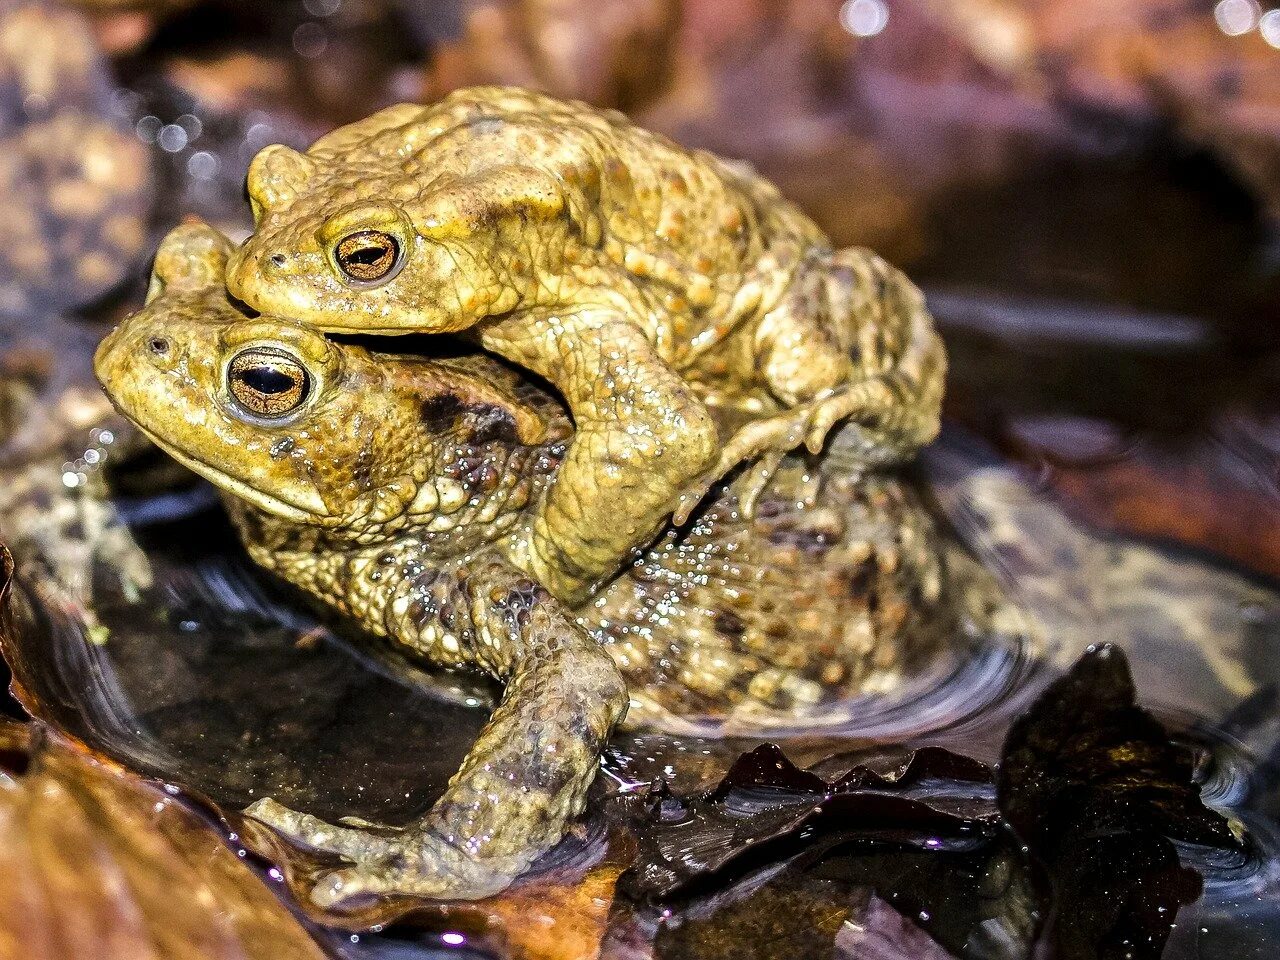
{"x":158,"y":345}
{"x":278,"y":259}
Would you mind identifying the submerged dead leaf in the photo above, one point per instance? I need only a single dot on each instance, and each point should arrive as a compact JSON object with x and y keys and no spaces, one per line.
{"x":563,"y":921}
{"x":929,"y":798}
{"x":96,"y":863}
{"x":808,"y":918}
{"x":1098,"y":790}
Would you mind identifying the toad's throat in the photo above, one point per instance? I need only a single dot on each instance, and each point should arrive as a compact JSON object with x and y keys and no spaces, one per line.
{"x":299,"y":512}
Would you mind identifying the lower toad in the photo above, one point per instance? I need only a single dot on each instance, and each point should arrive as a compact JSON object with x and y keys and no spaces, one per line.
{"x":392,"y":488}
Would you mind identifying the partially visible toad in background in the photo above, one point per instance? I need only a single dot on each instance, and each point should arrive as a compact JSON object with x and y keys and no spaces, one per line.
{"x":394,"y":488}
{"x":645,"y":281}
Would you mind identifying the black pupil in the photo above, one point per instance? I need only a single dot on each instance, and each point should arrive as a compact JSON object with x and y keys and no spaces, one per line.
{"x":267,"y":380}
{"x":367,"y":256}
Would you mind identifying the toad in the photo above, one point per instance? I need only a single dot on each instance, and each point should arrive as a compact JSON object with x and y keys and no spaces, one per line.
{"x":642,"y":279}
{"x":393,"y":488}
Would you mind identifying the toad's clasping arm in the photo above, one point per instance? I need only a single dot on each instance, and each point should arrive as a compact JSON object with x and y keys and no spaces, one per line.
{"x":641,"y":437}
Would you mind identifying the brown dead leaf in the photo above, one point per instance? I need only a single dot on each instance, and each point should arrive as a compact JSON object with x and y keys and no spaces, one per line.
{"x":95,"y":863}
{"x":562,"y":922}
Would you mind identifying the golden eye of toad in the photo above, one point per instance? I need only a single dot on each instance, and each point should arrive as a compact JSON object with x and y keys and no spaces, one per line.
{"x":368,"y":255}
{"x":267,"y":383}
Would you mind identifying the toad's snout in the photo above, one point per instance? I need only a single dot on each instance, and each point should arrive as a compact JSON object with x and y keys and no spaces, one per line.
{"x":106,"y":359}
{"x":129,"y":358}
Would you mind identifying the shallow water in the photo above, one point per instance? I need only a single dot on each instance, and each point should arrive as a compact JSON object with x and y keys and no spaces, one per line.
{"x":1113,"y":504}
{"x":1103,"y":522}
{"x":220,"y":682}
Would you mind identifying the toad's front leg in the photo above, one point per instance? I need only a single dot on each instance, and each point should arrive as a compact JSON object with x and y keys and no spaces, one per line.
{"x":641,"y":438}
{"x":526,"y":776}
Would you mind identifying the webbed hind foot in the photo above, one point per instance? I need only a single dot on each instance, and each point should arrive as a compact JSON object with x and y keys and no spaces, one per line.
{"x":770,"y":438}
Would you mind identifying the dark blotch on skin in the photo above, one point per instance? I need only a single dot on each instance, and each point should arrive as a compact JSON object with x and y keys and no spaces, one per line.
{"x":767,"y":508}
{"x":549,"y":459}
{"x":809,"y":540}
{"x":482,"y":478}
{"x":860,"y":580}
{"x":729,"y":624}
{"x":493,"y":425}
{"x":518,"y":602}
{"x":440,"y":413}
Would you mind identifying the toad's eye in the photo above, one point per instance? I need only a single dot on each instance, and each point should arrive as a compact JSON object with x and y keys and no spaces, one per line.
{"x":368,"y":256}
{"x":267,"y":383}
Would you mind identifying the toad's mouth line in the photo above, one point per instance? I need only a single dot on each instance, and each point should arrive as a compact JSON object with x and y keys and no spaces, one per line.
{"x":223,"y":481}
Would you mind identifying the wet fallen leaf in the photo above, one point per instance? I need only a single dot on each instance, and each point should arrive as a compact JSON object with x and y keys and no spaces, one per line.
{"x":1098,"y":790}
{"x":929,"y":798}
{"x":97,"y":863}
{"x":566,"y":921}
{"x":881,"y":904}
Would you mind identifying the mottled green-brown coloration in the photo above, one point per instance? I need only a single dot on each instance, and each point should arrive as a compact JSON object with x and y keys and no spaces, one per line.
{"x":396,"y":489}
{"x":645,"y":281}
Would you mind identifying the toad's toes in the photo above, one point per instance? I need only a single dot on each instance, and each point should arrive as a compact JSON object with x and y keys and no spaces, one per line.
{"x":387,"y":861}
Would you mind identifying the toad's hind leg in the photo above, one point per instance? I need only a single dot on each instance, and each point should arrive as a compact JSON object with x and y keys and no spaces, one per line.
{"x":852,"y":340}
{"x":850,"y":343}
